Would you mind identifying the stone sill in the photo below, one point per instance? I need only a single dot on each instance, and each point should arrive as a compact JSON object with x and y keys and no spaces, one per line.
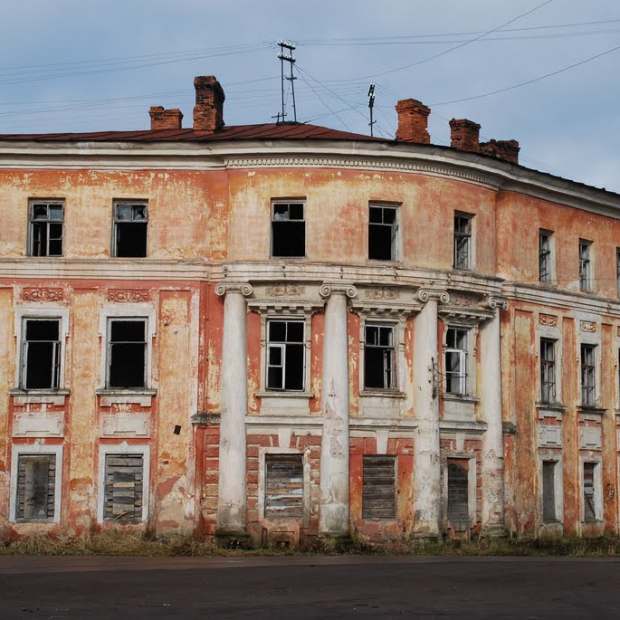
{"x":140,"y":396}
{"x":382,"y":394}
{"x":48,"y":397}
{"x":461,"y":398}
{"x":557,"y":407}
{"x":591,"y":410}
{"x":283,"y":394}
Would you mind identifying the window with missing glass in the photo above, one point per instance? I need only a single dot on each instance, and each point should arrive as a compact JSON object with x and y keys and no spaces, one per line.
{"x":462,"y":241}
{"x":382,"y":232}
{"x":285,"y":355}
{"x":127,"y":350}
{"x":379,"y":357}
{"x":585,"y":265}
{"x":46,"y":228}
{"x":40,"y":354}
{"x":588,"y":375}
{"x":288,"y":229}
{"x":618,"y":271}
{"x":545,"y":264}
{"x":456,"y":358}
{"x":130,"y":229}
{"x":589,"y":492}
{"x":547,"y":370}
{"x":549,"y":491}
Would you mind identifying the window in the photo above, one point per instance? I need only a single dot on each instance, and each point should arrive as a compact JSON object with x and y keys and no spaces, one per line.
{"x":285,"y":355}
{"x":382,"y":233}
{"x":618,"y":271}
{"x":40,"y":354}
{"x":589,"y":492}
{"x":130,"y":224}
{"x":379,"y":487}
{"x":124,"y":488}
{"x":379,"y":357}
{"x":547,"y":371}
{"x":127,"y":353}
{"x":548,"y":491}
{"x":284,"y":486}
{"x":462,"y":241}
{"x":458,"y":493}
{"x":456,"y":360}
{"x":588,"y":375}
{"x":585,"y":265}
{"x":36,"y":487}
{"x":288,"y":229}
{"x":46,"y":220}
{"x":545,"y":265}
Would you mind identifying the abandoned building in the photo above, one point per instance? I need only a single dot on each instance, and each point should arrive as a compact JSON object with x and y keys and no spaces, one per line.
{"x":285,"y":331}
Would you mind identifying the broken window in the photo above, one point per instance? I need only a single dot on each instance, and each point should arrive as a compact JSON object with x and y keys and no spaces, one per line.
{"x":46,"y":221}
{"x":545,"y":267}
{"x":130,"y":226}
{"x":124,"y":484}
{"x":462,"y":241}
{"x":288,"y":229}
{"x":588,"y":375}
{"x":382,"y":233}
{"x":456,"y":360}
{"x":547,"y":370}
{"x":548,"y":491}
{"x":36,"y":482}
{"x":379,"y":357}
{"x":285,"y":355}
{"x":40,"y":354}
{"x":585,"y":265}
{"x":284,"y":486}
{"x":589,"y":492}
{"x":458,"y":493}
{"x":379,"y":487}
{"x":127,"y":353}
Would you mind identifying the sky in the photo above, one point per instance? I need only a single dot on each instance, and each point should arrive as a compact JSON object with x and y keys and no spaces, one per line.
{"x":88,"y":65}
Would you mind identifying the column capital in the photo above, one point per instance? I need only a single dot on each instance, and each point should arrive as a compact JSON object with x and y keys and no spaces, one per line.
{"x":245,"y":288}
{"x":426,"y":294}
{"x":333,"y":288}
{"x":496,"y":302}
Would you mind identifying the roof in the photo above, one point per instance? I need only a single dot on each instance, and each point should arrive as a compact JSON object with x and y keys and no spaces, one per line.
{"x":266,"y":131}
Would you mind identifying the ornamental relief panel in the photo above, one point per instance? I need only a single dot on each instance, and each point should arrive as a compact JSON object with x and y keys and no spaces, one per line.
{"x":42,"y":294}
{"x":128,"y":295}
{"x":384,"y":292}
{"x":548,"y":320}
{"x":285,"y":290}
{"x":587,"y":326}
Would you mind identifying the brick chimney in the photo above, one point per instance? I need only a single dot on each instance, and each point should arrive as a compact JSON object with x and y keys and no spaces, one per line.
{"x":412,"y":121}
{"x":165,"y":119}
{"x":209,"y":108}
{"x":507,"y":150}
{"x":464,"y":135}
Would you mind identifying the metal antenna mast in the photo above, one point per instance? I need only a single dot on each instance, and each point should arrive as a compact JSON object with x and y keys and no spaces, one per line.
{"x":286,"y":46}
{"x":371,"y":105}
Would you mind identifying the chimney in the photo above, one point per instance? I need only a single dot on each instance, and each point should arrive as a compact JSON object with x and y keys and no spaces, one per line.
{"x":209,"y":108}
{"x":165,"y":119}
{"x":412,"y":121}
{"x":507,"y":150}
{"x":464,"y":135}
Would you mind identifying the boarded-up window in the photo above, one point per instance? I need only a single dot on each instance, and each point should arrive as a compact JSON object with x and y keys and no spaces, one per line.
{"x":284,"y":486}
{"x":589,"y":492}
{"x":123,"y":488}
{"x":379,"y":486}
{"x":458,"y":492}
{"x":36,"y":476}
{"x":548,"y":491}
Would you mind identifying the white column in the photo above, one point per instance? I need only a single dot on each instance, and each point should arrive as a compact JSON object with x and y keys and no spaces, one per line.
{"x":231,"y":508}
{"x":427,"y":470}
{"x":334,"y":511}
{"x":491,"y":406}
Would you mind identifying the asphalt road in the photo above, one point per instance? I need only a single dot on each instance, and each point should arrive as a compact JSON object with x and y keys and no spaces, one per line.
{"x":308,"y":587}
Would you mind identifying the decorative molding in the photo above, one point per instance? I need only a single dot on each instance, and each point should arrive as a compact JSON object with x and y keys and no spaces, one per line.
{"x":126,"y":423}
{"x":244,"y":288}
{"x":382,"y":293}
{"x":285,"y":290}
{"x":590,"y":438}
{"x":284,"y":306}
{"x":205,"y":418}
{"x":425,"y":294}
{"x":331,"y":288}
{"x":549,"y":436}
{"x":587,"y":326}
{"x":548,"y":320}
{"x":39,"y":424}
{"x":496,"y":303}
{"x":128,"y":295}
{"x":42,"y":294}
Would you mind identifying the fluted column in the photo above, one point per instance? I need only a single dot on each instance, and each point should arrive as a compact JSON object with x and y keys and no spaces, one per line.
{"x":231,"y":509}
{"x":334,"y":511}
{"x":491,"y":407}
{"x":427,"y":471}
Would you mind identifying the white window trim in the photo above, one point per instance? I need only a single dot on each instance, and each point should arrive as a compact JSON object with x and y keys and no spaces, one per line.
{"x":471,"y":378}
{"x":472,"y":241}
{"x":558,"y":482}
{"x":124,"y":448}
{"x":41,"y":311}
{"x":471,"y":484}
{"x":397,"y":246}
{"x":262,"y":452}
{"x":36,"y":449}
{"x":593,"y":339}
{"x":128,"y":311}
{"x":598,"y":488}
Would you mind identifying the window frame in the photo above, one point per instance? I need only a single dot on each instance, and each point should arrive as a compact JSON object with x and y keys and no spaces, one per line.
{"x":120,"y":202}
{"x":48,"y":202}
{"x":618,"y":271}
{"x":464,"y":356}
{"x":108,"y":351}
{"x":282,"y":346}
{"x":23,"y":355}
{"x":586,"y":269}
{"x":288,"y":202}
{"x":589,"y":392}
{"x":459,"y":235}
{"x":393,"y":327}
{"x":548,"y":368}
{"x":546,"y":262}
{"x":597,"y":488}
{"x":394,"y":228}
